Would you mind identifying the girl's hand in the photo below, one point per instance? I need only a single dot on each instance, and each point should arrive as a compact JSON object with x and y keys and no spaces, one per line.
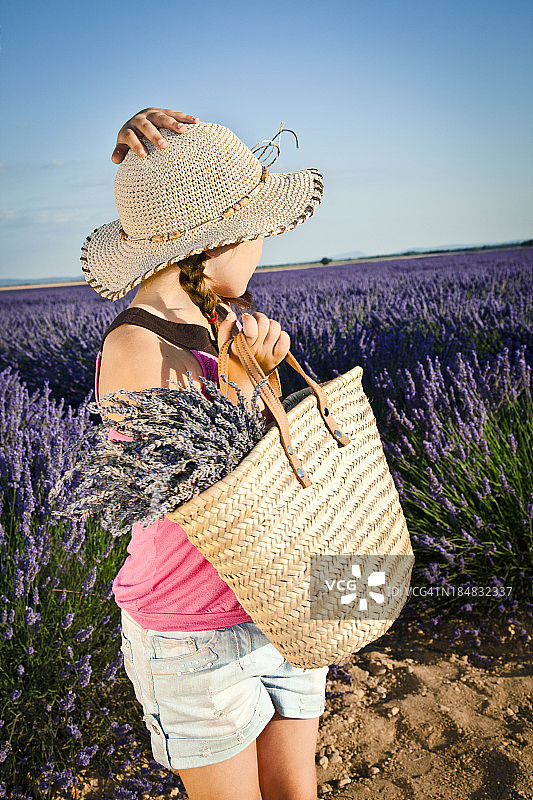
{"x":147,"y":123}
{"x":268,"y":343}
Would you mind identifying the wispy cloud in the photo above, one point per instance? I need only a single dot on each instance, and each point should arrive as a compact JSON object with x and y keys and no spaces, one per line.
{"x":21,"y":168}
{"x":11,"y":218}
{"x":8,"y":214}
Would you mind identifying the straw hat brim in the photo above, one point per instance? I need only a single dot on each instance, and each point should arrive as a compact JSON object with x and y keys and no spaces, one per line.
{"x":113,"y":266}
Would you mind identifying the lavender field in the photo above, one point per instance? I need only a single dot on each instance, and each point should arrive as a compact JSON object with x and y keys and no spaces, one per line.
{"x":446,"y":346}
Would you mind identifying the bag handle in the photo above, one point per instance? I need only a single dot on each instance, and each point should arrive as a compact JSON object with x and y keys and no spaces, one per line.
{"x":250,"y":368}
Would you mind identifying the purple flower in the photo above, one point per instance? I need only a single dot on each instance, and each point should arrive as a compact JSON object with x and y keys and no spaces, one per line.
{"x":82,"y":635}
{"x":86,"y":754}
{"x":32,"y":617}
{"x":4,"y":750}
{"x":68,"y":702}
{"x":73,"y":729}
{"x":67,"y":622}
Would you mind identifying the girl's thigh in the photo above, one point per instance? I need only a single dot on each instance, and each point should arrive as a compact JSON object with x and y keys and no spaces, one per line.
{"x":235,"y":777}
{"x":208,"y":695}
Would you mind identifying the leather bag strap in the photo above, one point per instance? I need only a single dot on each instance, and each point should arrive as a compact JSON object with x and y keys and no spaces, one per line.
{"x":247,"y":367}
{"x":237,"y":373}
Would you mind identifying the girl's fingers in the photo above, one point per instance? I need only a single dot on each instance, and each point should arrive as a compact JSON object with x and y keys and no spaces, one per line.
{"x":162,"y":119}
{"x":179,"y":116}
{"x":249,"y":325}
{"x":128,"y":137}
{"x":119,"y":152}
{"x":282,"y":346}
{"x":263,"y":331}
{"x":144,"y":124}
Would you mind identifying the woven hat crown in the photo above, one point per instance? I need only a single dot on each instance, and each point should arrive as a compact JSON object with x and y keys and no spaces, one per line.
{"x":198,"y":176}
{"x":206,"y":189}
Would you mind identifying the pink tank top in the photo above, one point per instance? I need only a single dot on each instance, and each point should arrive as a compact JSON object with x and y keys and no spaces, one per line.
{"x":165,"y":583}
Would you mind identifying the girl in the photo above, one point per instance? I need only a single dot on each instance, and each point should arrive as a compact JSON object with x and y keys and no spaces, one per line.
{"x":224,"y":709}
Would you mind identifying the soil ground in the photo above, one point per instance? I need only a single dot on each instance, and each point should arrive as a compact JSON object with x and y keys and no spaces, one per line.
{"x":424,"y":721}
{"x":412,"y":717}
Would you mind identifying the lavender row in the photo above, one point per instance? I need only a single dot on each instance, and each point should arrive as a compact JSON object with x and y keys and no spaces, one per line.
{"x":64,"y":704}
{"x":380,"y":315}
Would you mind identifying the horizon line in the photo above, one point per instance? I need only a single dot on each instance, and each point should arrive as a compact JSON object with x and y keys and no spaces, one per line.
{"x":5,"y":282}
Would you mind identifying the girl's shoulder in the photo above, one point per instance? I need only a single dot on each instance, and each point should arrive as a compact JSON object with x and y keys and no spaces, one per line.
{"x":136,"y":358}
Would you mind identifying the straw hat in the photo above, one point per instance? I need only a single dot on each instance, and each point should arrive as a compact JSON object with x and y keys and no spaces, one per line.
{"x":203,"y":191}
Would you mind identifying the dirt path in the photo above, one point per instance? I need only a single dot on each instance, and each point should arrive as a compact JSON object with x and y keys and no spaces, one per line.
{"x":421,"y":720}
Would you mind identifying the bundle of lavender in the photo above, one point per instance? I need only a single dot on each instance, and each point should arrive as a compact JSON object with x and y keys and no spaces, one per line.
{"x":183,"y":442}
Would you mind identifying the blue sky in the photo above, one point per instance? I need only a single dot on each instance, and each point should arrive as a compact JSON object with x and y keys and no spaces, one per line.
{"x":418,"y":114}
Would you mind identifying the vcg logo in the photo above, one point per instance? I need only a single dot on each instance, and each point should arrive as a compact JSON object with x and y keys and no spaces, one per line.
{"x":373,"y":580}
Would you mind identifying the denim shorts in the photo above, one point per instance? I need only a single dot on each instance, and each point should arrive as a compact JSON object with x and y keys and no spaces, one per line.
{"x":207,"y":695}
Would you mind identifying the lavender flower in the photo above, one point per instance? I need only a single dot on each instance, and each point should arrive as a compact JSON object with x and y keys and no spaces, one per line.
{"x":182,"y":443}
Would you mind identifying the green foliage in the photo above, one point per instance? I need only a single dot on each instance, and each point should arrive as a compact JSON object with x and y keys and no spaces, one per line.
{"x":470,"y":510}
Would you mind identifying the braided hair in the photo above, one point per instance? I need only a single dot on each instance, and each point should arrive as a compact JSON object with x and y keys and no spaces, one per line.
{"x":197,"y":286}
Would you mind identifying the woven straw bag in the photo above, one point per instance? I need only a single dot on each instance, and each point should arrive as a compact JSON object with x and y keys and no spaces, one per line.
{"x":317,"y":484}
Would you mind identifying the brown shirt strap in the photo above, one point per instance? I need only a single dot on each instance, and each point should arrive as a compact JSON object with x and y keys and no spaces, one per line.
{"x":184,"y":334}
